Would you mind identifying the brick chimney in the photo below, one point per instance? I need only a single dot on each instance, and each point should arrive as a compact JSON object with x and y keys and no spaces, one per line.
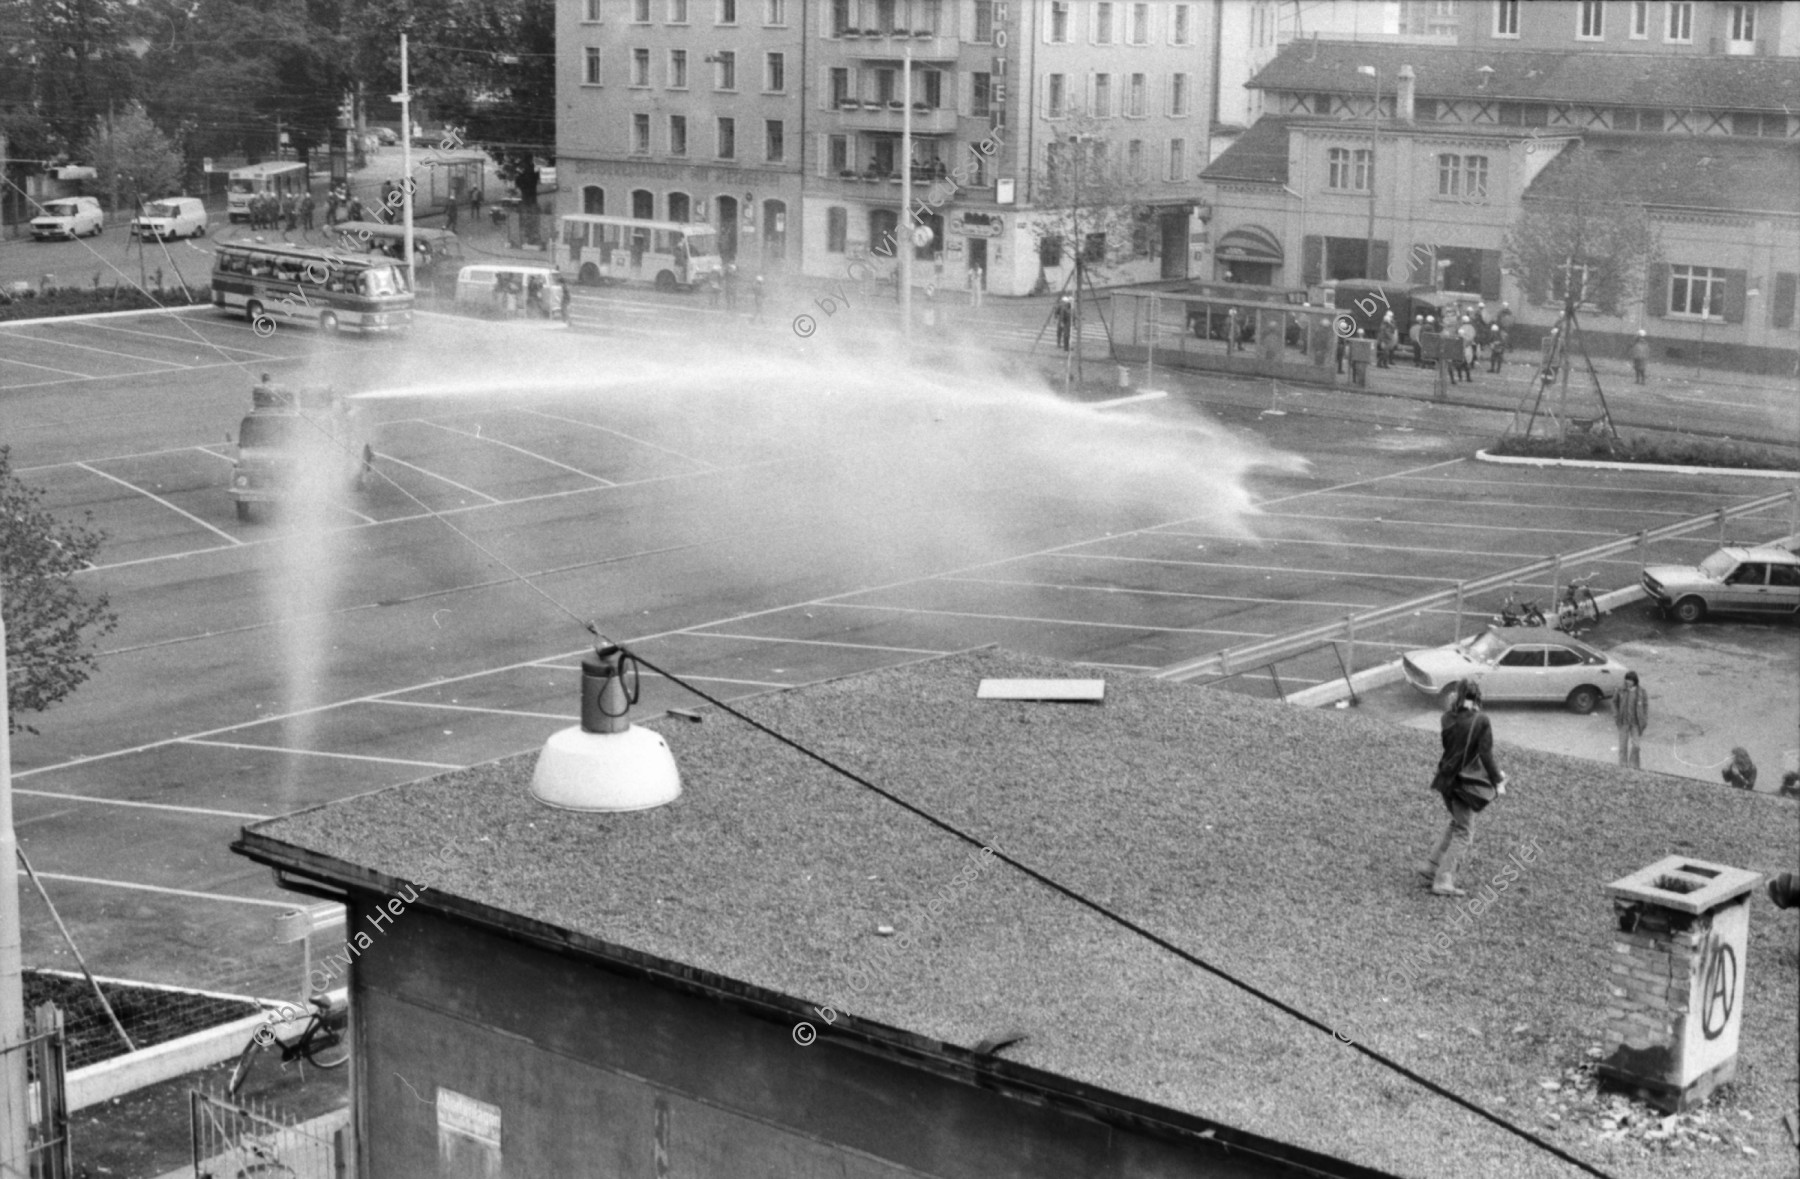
{"x":1403,"y":97}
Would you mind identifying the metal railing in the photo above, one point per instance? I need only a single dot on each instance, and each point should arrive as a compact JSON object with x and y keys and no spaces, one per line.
{"x":1253,"y":656}
{"x":237,"y":1139}
{"x":46,"y":1070}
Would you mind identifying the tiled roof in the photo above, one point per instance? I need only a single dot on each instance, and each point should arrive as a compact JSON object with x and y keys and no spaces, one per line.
{"x":1703,"y":172}
{"x":1260,"y":153}
{"x":1604,"y":79}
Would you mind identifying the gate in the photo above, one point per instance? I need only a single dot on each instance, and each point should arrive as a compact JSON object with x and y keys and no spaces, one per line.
{"x":46,"y":1066}
{"x":244,"y":1140}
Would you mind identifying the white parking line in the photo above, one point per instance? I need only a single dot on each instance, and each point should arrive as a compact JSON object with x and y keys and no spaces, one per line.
{"x":150,"y":806}
{"x":1512,"y":503}
{"x":618,"y":434}
{"x":562,"y":665}
{"x":165,"y":891}
{"x":107,"y":327}
{"x":102,"y":351}
{"x":527,"y":453}
{"x":1359,"y":574}
{"x":1264,"y":542}
{"x":1185,"y":630}
{"x":441,"y":479}
{"x":159,"y":499}
{"x":1387,"y":520}
{"x":68,"y":372}
{"x":1113,"y":589}
{"x":565,"y":718}
{"x":715,"y":634}
{"x":397,"y":761}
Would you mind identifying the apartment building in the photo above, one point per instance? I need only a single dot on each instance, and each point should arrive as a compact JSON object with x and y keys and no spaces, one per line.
{"x":785,"y":123}
{"x":1770,"y":28}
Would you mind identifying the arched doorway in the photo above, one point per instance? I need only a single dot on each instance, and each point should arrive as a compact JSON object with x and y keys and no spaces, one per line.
{"x":593,"y":200}
{"x":727,"y":222}
{"x":680,"y":208}
{"x":774,"y":230}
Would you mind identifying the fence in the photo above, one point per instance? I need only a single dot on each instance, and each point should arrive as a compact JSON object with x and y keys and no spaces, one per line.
{"x":236,"y":1139}
{"x":48,"y":1108}
{"x":1267,"y":653}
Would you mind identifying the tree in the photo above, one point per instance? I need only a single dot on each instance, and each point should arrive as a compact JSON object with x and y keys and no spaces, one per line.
{"x":133,"y":156}
{"x":50,"y":626}
{"x":1581,"y":237}
{"x":1086,"y":204}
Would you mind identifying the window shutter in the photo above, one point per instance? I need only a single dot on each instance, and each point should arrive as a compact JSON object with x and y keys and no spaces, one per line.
{"x":1378,"y":262}
{"x":1656,"y":290}
{"x":1734,"y":295}
{"x":1490,"y":274}
{"x":1781,"y":308}
{"x":1312,"y":259}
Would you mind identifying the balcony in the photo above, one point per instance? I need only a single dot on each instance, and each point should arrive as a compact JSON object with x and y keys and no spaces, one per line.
{"x":874,"y":183}
{"x":877,"y":44}
{"x":871,"y":115}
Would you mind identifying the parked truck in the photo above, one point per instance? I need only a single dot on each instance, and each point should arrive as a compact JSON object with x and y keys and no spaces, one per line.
{"x":299,"y":441}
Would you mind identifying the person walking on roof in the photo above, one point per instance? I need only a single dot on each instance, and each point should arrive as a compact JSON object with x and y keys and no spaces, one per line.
{"x":1467,"y":778}
{"x":1631,"y":716}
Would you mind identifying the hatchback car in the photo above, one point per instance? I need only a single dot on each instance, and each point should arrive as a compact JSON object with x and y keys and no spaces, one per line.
{"x":69,"y":217}
{"x":1526,"y":663}
{"x":1759,"y":579}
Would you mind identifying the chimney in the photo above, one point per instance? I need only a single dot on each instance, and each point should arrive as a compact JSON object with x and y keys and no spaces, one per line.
{"x":1403,"y":97}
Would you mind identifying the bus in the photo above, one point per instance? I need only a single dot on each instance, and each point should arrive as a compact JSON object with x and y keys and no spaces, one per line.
{"x":283,"y":179}
{"x":437,"y":253}
{"x":592,"y":249}
{"x":280,"y":283}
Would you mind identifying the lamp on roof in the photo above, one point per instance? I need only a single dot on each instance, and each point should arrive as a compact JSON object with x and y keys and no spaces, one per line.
{"x":606,"y":763}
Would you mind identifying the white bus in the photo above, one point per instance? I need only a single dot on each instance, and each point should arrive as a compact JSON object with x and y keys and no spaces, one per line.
{"x":283,"y":178}
{"x":592,"y":249}
{"x":273,"y":284}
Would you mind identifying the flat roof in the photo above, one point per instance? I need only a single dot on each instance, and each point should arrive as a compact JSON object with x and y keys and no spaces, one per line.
{"x":1275,"y":842}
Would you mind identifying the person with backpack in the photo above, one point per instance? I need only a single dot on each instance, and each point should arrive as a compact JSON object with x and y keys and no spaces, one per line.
{"x":1467,"y":778}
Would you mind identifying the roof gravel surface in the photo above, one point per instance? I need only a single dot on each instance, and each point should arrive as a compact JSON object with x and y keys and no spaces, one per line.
{"x":1276,"y":842}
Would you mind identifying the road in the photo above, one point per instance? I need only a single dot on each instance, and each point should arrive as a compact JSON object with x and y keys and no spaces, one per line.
{"x":747,"y":509}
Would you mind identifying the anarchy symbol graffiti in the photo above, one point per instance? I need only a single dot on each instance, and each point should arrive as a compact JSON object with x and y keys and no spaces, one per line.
{"x":1718,"y":989}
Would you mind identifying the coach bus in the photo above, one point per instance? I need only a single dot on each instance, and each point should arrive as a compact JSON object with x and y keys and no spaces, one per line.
{"x":592,"y":249}
{"x":332,"y":290}
{"x":286,"y":178}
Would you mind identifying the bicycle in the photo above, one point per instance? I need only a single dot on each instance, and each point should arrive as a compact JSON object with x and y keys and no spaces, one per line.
{"x":321,"y":1041}
{"x":1513,"y":613}
{"x":1577,"y":606}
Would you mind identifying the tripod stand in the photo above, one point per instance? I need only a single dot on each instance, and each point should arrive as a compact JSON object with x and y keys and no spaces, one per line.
{"x":1557,"y":364}
{"x":1072,"y":373}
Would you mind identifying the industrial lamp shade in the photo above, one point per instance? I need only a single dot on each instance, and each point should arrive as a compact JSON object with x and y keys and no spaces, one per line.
{"x":605,"y":763}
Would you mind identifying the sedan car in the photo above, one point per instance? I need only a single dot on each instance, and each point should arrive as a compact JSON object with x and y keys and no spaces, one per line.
{"x":69,"y":217}
{"x":1759,"y":579}
{"x":1528,"y":663}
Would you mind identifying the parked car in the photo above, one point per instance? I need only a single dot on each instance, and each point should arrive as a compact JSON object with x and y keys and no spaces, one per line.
{"x":1759,"y":579}
{"x":69,"y":217}
{"x":1526,"y":663}
{"x":171,"y":217}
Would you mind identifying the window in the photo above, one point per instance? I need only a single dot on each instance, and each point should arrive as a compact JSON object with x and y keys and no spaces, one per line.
{"x":725,"y":71}
{"x":678,"y":69}
{"x":837,"y":155}
{"x":884,"y":15}
{"x":590,"y":73}
{"x":1103,"y":23}
{"x":640,"y":11}
{"x":1523,"y":114}
{"x":1059,"y":21}
{"x":1523,"y":657}
{"x":774,"y":12}
{"x":678,"y":12}
{"x":1640,"y":19}
{"x":927,"y":16}
{"x":837,"y":230}
{"x":775,"y":139}
{"x":1177,"y":159}
{"x":727,"y":138}
{"x":1591,"y":25}
{"x":775,"y":73}
{"x":678,"y":135}
{"x":1181,"y":29}
{"x":1348,"y":170}
{"x":680,"y":207}
{"x":976,"y":168}
{"x":840,"y":17}
{"x":1178,"y":95}
{"x":984,"y":21}
{"x":930,"y":90}
{"x":1056,"y":97}
{"x":643,"y":205}
{"x":884,"y":86}
{"x":1463,"y":176}
{"x":640,"y":67}
{"x":593,"y":200}
{"x":728,"y":12}
{"x":840,"y":85}
{"x":1680,"y":28}
{"x":1140,"y":24}
{"x":590,"y":12}
{"x":1102,"y":96}
{"x":1697,"y":291}
{"x":981,"y":94}
{"x":1134,"y":161}
{"x":640,"y":135}
{"x":1506,"y":18}
{"x":1743,"y":22}
{"x":1134,"y":97}
{"x":1563,"y":657}
{"x":1751,"y":123}
{"x":1631,"y":119}
{"x":1781,"y":573}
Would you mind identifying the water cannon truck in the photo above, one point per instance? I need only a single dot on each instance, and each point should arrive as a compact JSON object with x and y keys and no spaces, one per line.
{"x":299,"y":441}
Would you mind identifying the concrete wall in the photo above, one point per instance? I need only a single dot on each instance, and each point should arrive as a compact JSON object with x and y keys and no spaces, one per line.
{"x":594,"y":1072}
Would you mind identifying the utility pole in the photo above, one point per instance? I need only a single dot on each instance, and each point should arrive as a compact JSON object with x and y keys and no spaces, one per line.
{"x":404,"y":98}
{"x":15,"y":1126}
{"x":905,"y":245}
{"x":1374,"y":141}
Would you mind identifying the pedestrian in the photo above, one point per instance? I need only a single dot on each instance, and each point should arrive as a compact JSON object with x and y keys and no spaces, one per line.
{"x":1550,"y":342}
{"x":1465,"y":350}
{"x":1386,"y":340}
{"x":356,"y":208}
{"x":1065,"y":318}
{"x":1343,"y":352}
{"x":450,"y":213}
{"x":1414,"y":335}
{"x":1468,"y":779}
{"x":712,"y":290}
{"x":1231,"y":334}
{"x":1740,"y":771}
{"x":1497,"y":349}
{"x":562,"y":302}
{"x":758,"y":292}
{"x":474,"y":207}
{"x":1505,"y":318}
{"x":290,"y":212}
{"x":331,"y":207}
{"x":731,"y":286}
{"x":1640,"y":355}
{"x":306,"y":211}
{"x":534,"y":297}
{"x":1631,"y":715}
{"x":387,"y":194}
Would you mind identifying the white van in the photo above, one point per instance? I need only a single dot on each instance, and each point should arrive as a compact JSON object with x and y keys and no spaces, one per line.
{"x":171,"y":217}
{"x":501,"y":289}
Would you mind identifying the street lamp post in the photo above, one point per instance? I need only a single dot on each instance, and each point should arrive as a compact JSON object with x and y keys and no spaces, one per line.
{"x":1374,"y":138}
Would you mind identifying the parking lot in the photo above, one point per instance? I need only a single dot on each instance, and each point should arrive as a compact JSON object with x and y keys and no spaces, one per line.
{"x":759,"y":526}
